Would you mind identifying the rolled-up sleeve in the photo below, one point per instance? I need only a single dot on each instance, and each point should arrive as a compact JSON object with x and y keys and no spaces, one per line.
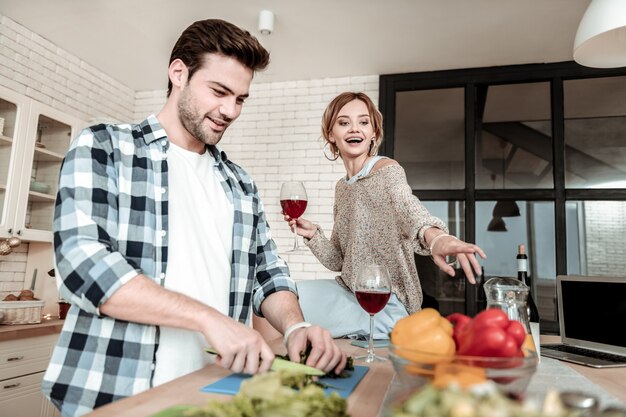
{"x":85,"y":223}
{"x":272,"y":273}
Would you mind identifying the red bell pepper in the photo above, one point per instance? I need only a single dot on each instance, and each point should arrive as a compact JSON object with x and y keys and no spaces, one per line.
{"x":490,"y":333}
{"x":458,"y":321}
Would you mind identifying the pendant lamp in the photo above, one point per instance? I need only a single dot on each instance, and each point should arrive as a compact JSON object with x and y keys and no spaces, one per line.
{"x":496,"y":225}
{"x":506,"y":209}
{"x":601,"y":38}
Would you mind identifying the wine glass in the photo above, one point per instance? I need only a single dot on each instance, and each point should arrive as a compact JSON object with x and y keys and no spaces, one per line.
{"x":293,"y":200}
{"x":372,"y":290}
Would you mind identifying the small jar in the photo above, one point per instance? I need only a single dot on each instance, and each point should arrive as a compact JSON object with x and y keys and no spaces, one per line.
{"x":64,"y":306}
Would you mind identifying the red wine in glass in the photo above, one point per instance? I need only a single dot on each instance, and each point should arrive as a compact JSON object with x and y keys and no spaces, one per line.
{"x":372,"y":289}
{"x":293,"y":200}
{"x":372,"y":301}
{"x":293,"y":208}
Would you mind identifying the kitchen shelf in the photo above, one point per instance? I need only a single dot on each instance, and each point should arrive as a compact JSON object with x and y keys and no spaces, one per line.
{"x":44,"y":155}
{"x":36,"y":197}
{"x":5,"y":141}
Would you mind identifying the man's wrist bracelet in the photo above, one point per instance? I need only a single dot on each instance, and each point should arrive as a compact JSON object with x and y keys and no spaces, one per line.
{"x":293,"y":328}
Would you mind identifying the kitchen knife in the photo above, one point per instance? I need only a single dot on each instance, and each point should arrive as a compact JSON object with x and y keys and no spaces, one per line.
{"x":280,"y":364}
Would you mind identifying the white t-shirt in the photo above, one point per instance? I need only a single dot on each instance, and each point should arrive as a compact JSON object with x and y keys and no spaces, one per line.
{"x":199,"y":254}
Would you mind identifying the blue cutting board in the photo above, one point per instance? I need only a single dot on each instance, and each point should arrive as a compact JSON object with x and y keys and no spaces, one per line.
{"x":230,"y":384}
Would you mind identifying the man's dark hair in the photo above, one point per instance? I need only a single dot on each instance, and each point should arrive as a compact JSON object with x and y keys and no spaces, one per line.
{"x":217,"y":36}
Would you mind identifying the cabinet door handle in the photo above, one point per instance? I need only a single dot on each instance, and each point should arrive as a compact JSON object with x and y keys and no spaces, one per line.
{"x":10,"y":231}
{"x":15,"y":358}
{"x":19,"y":232}
{"x":17,"y":384}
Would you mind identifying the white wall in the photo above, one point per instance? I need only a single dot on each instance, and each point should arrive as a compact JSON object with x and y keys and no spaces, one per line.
{"x":277,"y":138}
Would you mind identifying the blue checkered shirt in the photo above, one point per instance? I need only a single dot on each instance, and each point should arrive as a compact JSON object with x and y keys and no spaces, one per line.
{"x":110,"y":224}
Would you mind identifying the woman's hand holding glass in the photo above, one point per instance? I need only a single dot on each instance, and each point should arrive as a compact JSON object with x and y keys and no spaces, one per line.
{"x":302,"y":226}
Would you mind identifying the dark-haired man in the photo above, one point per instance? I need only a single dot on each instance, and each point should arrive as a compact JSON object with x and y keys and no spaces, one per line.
{"x":161,"y":242}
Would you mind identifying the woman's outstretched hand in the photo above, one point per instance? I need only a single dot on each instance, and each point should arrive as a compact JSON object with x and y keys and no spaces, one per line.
{"x":465,"y":255}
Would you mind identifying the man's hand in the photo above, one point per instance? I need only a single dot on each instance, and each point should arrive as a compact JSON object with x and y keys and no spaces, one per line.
{"x":325,"y":354}
{"x":240,"y":348}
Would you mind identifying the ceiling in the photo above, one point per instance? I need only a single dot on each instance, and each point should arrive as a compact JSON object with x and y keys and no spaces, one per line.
{"x":130,"y":40}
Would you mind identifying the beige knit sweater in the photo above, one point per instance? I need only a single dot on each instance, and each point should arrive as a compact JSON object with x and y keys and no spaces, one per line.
{"x":377,"y":220}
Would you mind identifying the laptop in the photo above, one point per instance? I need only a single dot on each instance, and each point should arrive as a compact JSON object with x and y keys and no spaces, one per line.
{"x":592,"y":320}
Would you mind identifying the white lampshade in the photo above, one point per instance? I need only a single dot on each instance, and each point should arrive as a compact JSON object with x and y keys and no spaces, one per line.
{"x":601,"y":37}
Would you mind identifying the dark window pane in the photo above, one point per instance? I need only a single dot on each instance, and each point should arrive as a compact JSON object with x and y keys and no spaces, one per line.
{"x":595,"y":237}
{"x":534,"y":227}
{"x":429,"y":137}
{"x":515,"y":144}
{"x":595,"y":133}
{"x":449,"y":292}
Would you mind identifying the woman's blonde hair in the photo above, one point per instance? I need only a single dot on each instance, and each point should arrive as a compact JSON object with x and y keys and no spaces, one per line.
{"x":332,"y":111}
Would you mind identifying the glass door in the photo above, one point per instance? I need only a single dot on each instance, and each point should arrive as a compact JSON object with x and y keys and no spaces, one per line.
{"x":49,"y":138}
{"x":13,"y":113}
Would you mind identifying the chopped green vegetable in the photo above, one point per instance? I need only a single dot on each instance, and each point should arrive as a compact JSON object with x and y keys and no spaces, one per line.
{"x":456,"y":402}
{"x":281,"y":363}
{"x":271,"y":395}
{"x":305,"y":355}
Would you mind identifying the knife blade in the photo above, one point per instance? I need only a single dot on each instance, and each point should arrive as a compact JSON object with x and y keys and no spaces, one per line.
{"x":280,"y":364}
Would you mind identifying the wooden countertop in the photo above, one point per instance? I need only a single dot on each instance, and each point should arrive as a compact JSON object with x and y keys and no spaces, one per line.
{"x":22,"y":331}
{"x":365,"y":401}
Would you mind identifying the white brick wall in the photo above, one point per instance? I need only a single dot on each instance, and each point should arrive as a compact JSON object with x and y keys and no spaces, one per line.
{"x":278,"y":138}
{"x":35,"y":67}
{"x":605,"y":225}
{"x":12,"y":271}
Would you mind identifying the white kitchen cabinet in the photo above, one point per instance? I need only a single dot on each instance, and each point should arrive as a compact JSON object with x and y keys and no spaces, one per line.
{"x":32,"y":146}
{"x":22,"y":365}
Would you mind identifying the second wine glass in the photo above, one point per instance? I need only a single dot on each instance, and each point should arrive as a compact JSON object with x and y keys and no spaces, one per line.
{"x":293,"y":200}
{"x":372,"y":291}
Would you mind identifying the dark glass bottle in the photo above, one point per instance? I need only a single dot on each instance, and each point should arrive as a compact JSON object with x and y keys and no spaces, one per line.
{"x":522,"y":275}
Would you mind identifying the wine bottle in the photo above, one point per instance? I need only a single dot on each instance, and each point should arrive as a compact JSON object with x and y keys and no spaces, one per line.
{"x":533,"y":311}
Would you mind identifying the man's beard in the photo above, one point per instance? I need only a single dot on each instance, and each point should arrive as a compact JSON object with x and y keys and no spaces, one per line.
{"x":192,"y":120}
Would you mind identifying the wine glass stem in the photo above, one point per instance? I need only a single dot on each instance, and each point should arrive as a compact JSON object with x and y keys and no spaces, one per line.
{"x":370,"y":349}
{"x":295,"y":232}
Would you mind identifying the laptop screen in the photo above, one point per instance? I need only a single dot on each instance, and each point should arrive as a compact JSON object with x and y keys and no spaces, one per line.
{"x":593,"y":309}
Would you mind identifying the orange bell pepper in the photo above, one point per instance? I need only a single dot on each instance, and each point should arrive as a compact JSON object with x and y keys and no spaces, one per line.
{"x":424,"y":337}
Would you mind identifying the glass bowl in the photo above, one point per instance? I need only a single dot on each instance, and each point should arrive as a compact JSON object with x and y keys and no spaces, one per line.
{"x":510,"y":375}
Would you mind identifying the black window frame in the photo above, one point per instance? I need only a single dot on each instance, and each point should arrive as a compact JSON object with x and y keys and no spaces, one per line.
{"x":473,"y":81}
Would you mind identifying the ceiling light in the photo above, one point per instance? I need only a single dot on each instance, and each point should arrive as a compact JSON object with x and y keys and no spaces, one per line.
{"x":506,"y":209}
{"x":496,"y":225}
{"x":266,"y":22}
{"x":601,"y":37}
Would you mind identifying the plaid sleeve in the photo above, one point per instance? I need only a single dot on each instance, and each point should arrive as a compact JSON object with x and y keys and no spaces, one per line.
{"x":272,"y":271}
{"x":86,"y":221}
